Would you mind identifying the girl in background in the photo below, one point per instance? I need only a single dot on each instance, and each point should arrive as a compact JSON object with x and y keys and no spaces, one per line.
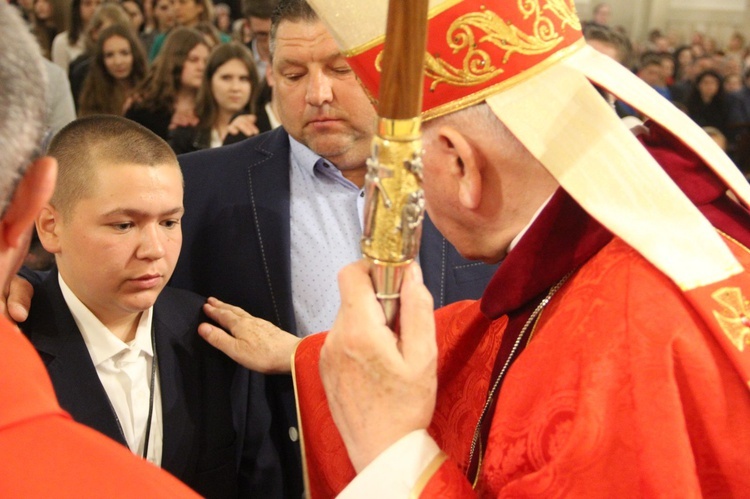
{"x":68,"y":45}
{"x":225,"y":93}
{"x":107,"y":14}
{"x":50,"y":18}
{"x":119,"y":65}
{"x":134,"y":8}
{"x":166,"y":98}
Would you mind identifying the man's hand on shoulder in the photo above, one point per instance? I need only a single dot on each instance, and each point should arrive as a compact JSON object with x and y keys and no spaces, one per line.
{"x":380,"y":386}
{"x":254,"y":343}
{"x":17,"y":299}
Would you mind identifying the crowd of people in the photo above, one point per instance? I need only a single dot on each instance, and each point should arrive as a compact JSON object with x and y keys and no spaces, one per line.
{"x":591,"y":278}
{"x":708,"y":79}
{"x":148,"y":61}
{"x":294,"y":193}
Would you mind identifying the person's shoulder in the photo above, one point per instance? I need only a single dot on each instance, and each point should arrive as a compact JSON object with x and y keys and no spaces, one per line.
{"x":182,"y":139}
{"x":79,"y":66}
{"x":56,"y":75}
{"x":45,"y":289}
{"x":180,"y":299}
{"x":623,"y":277}
{"x":177,"y":312}
{"x":240,"y":154}
{"x":52,"y":435}
{"x":60,"y":40}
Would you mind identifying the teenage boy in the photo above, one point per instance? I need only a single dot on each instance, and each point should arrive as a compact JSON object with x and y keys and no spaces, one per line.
{"x":121,"y":350}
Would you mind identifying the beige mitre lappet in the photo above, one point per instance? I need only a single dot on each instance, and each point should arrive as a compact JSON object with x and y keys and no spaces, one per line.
{"x":528,"y":60}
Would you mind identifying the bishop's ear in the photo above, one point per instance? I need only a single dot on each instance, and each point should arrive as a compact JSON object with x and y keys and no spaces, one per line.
{"x":464,"y":165}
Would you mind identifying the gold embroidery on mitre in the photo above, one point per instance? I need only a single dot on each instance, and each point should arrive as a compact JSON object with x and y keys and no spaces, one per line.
{"x":734,"y":318}
{"x":477,"y":65}
{"x":562,"y":9}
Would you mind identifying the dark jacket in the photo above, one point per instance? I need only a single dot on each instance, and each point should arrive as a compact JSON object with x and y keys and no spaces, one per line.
{"x":236,"y":247}
{"x":199,"y":442}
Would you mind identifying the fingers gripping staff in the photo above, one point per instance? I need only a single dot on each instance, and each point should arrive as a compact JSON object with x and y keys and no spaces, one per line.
{"x":368,"y":371}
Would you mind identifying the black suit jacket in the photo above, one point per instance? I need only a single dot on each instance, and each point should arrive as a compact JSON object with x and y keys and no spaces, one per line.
{"x":199,"y":442}
{"x":236,"y":246}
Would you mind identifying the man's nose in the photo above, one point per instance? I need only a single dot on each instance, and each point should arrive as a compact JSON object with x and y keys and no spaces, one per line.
{"x":319,"y":90}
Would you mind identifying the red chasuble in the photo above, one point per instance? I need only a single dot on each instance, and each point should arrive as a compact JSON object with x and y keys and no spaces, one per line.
{"x":621,"y":391}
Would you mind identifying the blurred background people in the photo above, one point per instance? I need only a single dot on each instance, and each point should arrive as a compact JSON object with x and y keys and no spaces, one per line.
{"x":257,"y":15}
{"x":228,"y":84}
{"x":223,"y":19}
{"x":600,"y":14}
{"x":106,"y":15}
{"x":69,"y":44}
{"x":134,"y":9}
{"x":166,"y":98}
{"x":258,"y":18}
{"x":188,"y":14}
{"x":118,"y":66}
{"x":50,"y":17}
{"x":162,"y":22}
{"x":707,"y":103}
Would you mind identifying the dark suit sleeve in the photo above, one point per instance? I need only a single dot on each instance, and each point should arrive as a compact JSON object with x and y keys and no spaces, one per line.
{"x":35,"y":277}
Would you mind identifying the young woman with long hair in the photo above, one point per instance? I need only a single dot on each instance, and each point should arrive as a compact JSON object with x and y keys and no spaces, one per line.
{"x":106,"y":15}
{"x":226,"y":92}
{"x":69,"y":44}
{"x":50,"y":18}
{"x":167,"y":97}
{"x":119,"y":65}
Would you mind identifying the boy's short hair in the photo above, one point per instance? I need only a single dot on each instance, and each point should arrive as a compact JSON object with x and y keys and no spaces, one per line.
{"x":102,"y":140}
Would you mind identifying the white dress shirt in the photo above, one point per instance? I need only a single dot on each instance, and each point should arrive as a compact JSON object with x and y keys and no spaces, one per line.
{"x":124,"y":370}
{"x":326,"y":226}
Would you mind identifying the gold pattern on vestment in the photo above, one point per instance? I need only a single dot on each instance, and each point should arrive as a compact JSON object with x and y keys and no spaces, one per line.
{"x":472,"y":31}
{"x":734,"y":316}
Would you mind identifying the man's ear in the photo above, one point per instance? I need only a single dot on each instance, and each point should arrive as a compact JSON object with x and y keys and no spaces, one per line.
{"x":269,"y":75}
{"x":32,"y":193}
{"x":464,"y":165}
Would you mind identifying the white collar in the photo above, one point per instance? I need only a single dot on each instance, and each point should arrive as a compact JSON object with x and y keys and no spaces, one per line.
{"x":518,"y":237}
{"x":102,"y":344}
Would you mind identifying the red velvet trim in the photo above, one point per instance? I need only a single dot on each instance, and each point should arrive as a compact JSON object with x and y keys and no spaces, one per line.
{"x":564,"y":235}
{"x":699,"y":183}
{"x":562,"y":238}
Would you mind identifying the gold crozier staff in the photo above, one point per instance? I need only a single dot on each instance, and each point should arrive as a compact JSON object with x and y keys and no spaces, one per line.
{"x":394,"y":205}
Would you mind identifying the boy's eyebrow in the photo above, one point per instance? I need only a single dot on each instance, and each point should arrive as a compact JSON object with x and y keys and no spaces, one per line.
{"x":131,"y":212}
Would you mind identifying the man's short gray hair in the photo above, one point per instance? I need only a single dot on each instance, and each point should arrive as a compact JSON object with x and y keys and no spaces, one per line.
{"x":22,"y":100}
